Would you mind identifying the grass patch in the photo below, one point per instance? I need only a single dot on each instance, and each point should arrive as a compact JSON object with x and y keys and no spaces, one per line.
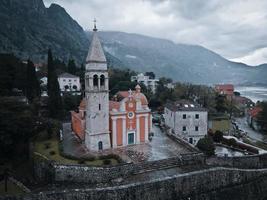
{"x":258,"y":144}
{"x":12,"y":189}
{"x":50,"y":149}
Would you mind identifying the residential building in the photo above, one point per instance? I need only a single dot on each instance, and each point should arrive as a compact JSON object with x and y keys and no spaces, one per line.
{"x":69,"y":83}
{"x":252,"y":117}
{"x":104,"y":124}
{"x":226,"y":89}
{"x":146,"y":80}
{"x":186,"y":119}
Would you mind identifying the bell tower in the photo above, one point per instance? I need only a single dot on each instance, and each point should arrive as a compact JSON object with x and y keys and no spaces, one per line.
{"x":97,"y":135}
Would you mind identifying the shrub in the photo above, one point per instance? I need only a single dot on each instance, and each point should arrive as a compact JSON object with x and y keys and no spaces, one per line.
{"x":81,"y":161}
{"x":47,"y":145}
{"x":107,"y":162}
{"x":231,"y":142}
{"x":206,"y":145}
{"x":218,"y":136}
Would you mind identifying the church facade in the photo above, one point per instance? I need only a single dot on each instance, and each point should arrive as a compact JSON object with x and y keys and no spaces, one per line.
{"x":104,"y":124}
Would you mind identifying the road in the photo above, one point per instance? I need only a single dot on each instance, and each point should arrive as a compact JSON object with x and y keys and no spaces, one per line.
{"x":243,"y":125}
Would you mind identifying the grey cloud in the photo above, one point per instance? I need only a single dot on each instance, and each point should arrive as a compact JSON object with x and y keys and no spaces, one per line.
{"x":230,"y":28}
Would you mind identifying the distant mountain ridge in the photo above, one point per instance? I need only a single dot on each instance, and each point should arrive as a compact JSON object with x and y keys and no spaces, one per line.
{"x":29,"y":29}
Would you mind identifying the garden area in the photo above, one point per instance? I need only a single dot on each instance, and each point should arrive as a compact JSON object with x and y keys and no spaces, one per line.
{"x":49,"y":147}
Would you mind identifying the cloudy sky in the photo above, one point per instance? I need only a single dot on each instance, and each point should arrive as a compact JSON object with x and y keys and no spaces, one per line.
{"x":236,"y":29}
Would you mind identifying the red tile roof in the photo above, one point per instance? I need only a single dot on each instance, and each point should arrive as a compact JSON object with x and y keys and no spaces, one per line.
{"x":254,"y":111}
{"x":225,"y":88}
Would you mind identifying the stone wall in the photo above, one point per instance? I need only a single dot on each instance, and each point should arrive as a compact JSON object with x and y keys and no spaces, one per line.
{"x":53,"y":172}
{"x":88,"y":174}
{"x":244,"y":162}
{"x":216,"y":183}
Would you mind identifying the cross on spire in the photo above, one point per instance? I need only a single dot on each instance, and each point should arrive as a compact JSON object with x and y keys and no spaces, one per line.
{"x":95,"y":29}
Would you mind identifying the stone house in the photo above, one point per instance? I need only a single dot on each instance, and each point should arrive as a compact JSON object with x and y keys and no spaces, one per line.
{"x":186,"y":119}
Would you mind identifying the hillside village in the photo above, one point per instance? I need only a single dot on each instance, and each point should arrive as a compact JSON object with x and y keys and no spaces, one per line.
{"x":98,"y":125}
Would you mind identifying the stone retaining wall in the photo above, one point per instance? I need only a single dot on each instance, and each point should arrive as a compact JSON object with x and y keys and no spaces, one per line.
{"x":87,"y":174}
{"x":244,"y":162}
{"x":204,"y":184}
{"x":54,"y":172}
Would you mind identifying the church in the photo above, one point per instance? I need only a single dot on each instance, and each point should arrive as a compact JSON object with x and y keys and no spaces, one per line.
{"x":101,"y":123}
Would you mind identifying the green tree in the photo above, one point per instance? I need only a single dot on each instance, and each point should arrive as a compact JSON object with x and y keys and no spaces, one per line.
{"x":17,"y":127}
{"x":50,"y":71}
{"x":218,"y":136}
{"x":54,"y":101}
{"x":72,"y":67}
{"x":221,"y":103}
{"x":151,"y":75}
{"x":32,"y":84}
{"x":263,"y":116}
{"x":206,"y":145}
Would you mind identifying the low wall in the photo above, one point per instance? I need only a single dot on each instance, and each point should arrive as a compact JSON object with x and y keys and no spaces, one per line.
{"x":244,"y":162}
{"x":215,"y":183}
{"x":182,"y":142}
{"x":54,"y":172}
{"x":88,"y":174}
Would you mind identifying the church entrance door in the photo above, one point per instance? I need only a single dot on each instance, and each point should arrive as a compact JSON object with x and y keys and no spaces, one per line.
{"x":131,"y":138}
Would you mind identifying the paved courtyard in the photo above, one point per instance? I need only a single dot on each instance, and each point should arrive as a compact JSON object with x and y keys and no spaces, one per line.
{"x":160,"y":147}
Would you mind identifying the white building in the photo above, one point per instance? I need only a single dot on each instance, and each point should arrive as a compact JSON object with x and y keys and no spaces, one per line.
{"x":69,"y":83}
{"x":43,"y":81}
{"x":146,"y":80}
{"x":187,"y":120}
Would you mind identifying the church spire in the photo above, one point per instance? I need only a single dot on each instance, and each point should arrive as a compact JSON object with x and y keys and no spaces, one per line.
{"x":96,"y":53}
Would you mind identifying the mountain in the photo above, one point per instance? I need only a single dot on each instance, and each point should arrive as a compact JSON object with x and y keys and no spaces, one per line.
{"x":28,"y":29}
{"x":187,"y":63}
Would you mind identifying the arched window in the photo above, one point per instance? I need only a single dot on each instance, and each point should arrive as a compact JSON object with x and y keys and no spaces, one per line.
{"x":100,"y":145}
{"x":66,"y":87}
{"x":74,"y":87}
{"x":95,"y":80}
{"x":102,"y":80}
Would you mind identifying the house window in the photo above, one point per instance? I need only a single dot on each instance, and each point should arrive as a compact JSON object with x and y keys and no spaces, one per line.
{"x":99,"y":106}
{"x":196,"y":128}
{"x":197,"y":116}
{"x":184,"y":116}
{"x":69,"y":80}
{"x":64,"y":80}
{"x":184,"y":128}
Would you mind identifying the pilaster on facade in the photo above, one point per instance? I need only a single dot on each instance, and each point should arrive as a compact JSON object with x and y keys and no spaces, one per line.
{"x":114,"y":132}
{"x":137,"y":129}
{"x":146,"y":128}
{"x":124,"y":134}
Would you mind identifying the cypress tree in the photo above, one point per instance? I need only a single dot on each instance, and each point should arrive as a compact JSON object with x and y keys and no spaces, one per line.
{"x":32,"y":84}
{"x":50,"y":70}
{"x":71,"y":66}
{"x":55,"y":102}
